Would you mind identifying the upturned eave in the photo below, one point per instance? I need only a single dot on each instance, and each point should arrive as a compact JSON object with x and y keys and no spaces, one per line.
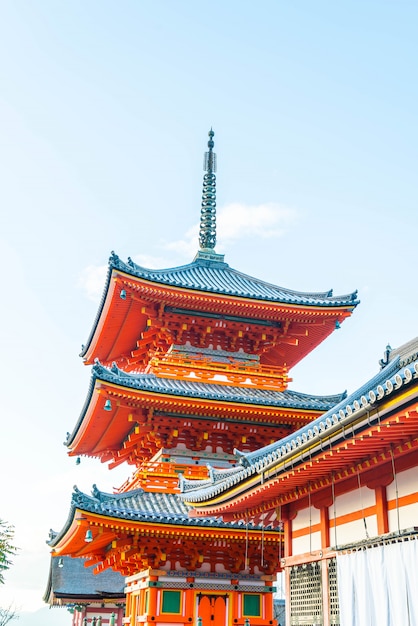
{"x":363,"y":438}
{"x":133,"y":296}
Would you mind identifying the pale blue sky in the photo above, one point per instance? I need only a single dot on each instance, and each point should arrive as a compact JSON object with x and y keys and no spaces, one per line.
{"x":104,"y":113}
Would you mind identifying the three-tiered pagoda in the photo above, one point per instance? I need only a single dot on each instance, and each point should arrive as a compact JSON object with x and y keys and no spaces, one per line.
{"x":188,"y":364}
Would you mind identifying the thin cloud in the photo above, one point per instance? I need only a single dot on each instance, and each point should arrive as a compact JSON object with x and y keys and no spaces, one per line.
{"x":233,"y":222}
{"x":238,"y":221}
{"x":92,"y":278}
{"x":188,"y":246}
{"x":265,"y":221}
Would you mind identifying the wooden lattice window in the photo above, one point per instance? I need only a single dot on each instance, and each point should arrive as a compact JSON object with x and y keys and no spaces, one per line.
{"x":306,"y":594}
{"x":334,"y":606}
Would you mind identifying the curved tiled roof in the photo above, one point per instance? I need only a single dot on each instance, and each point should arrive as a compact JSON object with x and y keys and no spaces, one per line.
{"x":245,"y":395}
{"x":408,"y":352}
{"x":395,"y":375}
{"x":134,"y":505}
{"x":212,"y":391}
{"x":225,"y":393}
{"x":217,"y":277}
{"x":139,"y":506}
{"x":70,"y":578}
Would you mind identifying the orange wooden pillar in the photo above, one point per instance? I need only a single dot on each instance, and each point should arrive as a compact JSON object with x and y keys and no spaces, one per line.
{"x":323,"y":501}
{"x":189,"y":615}
{"x":287,"y":517}
{"x":268,"y":604}
{"x":378,"y":480}
{"x":324,"y":523}
{"x":234,"y":599}
{"x":381,"y":510}
{"x":152,"y":600}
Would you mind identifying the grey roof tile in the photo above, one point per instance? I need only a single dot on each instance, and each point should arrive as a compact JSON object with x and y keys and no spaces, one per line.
{"x":219,"y":277}
{"x":257,"y":397}
{"x":69,"y":578}
{"x":139,"y":506}
{"x":212,"y":391}
{"x":393,"y":376}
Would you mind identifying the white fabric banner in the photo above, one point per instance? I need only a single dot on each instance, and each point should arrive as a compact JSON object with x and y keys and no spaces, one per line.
{"x":379,"y":585}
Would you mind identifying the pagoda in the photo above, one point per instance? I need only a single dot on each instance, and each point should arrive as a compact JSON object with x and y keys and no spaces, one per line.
{"x":189,"y":364}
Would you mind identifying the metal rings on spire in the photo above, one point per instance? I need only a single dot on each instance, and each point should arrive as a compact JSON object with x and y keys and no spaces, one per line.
{"x":207,"y":232}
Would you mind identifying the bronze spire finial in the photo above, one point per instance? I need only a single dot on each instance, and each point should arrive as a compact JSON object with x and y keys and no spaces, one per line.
{"x":207,"y":232}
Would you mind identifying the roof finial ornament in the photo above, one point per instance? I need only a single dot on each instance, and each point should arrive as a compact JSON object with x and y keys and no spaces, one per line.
{"x":386,"y":358}
{"x":207,"y":232}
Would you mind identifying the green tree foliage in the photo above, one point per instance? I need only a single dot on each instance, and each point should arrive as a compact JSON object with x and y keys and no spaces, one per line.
{"x":7,"y":549}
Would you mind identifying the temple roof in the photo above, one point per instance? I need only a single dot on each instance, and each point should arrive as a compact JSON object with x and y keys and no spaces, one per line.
{"x":208,"y":287}
{"x":141,"y":308}
{"x":69,"y":579}
{"x":199,"y":286}
{"x":138,"y":506}
{"x":218,"y":277}
{"x":396,"y":375}
{"x":143,"y":506}
{"x":211,"y":392}
{"x":408,"y":352}
{"x":138,"y":529}
{"x":248,"y":395}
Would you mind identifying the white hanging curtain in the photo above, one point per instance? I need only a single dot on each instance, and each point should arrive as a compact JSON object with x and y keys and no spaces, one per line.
{"x":379,"y":585}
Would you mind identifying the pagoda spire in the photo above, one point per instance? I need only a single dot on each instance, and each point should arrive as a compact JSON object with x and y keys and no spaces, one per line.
{"x":207,"y":232}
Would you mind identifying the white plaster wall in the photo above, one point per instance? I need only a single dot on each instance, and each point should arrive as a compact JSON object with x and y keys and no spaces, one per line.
{"x":301,"y":520}
{"x":354,"y":531}
{"x":408,"y":517}
{"x":407,"y":482}
{"x":306,"y":543}
{"x":353,"y":501}
{"x":304,"y":520}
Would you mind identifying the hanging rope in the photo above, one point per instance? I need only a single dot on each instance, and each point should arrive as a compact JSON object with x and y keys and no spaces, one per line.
{"x":262,"y":516}
{"x":246,"y":541}
{"x":361,"y":502}
{"x":310,"y":518}
{"x":334,"y":509}
{"x":281,"y":528}
{"x":396,"y":488}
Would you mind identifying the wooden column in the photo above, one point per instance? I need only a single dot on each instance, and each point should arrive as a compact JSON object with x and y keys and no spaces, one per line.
{"x":325,"y":542}
{"x":268,"y":604}
{"x":189,"y":602}
{"x":381,"y":510}
{"x":322,"y":501}
{"x":288,"y":515}
{"x":378,"y":479}
{"x":152,"y":601}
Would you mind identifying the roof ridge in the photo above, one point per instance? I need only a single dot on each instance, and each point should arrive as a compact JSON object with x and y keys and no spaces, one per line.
{"x":392,"y":377}
{"x":214,"y":264}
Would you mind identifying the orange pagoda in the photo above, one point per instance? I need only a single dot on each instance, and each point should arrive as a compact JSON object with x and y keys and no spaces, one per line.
{"x":188,"y":364}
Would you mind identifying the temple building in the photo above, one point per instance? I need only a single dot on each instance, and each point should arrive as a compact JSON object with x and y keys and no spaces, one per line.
{"x":189,"y":365}
{"x":345,"y":489}
{"x":92,"y":599}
